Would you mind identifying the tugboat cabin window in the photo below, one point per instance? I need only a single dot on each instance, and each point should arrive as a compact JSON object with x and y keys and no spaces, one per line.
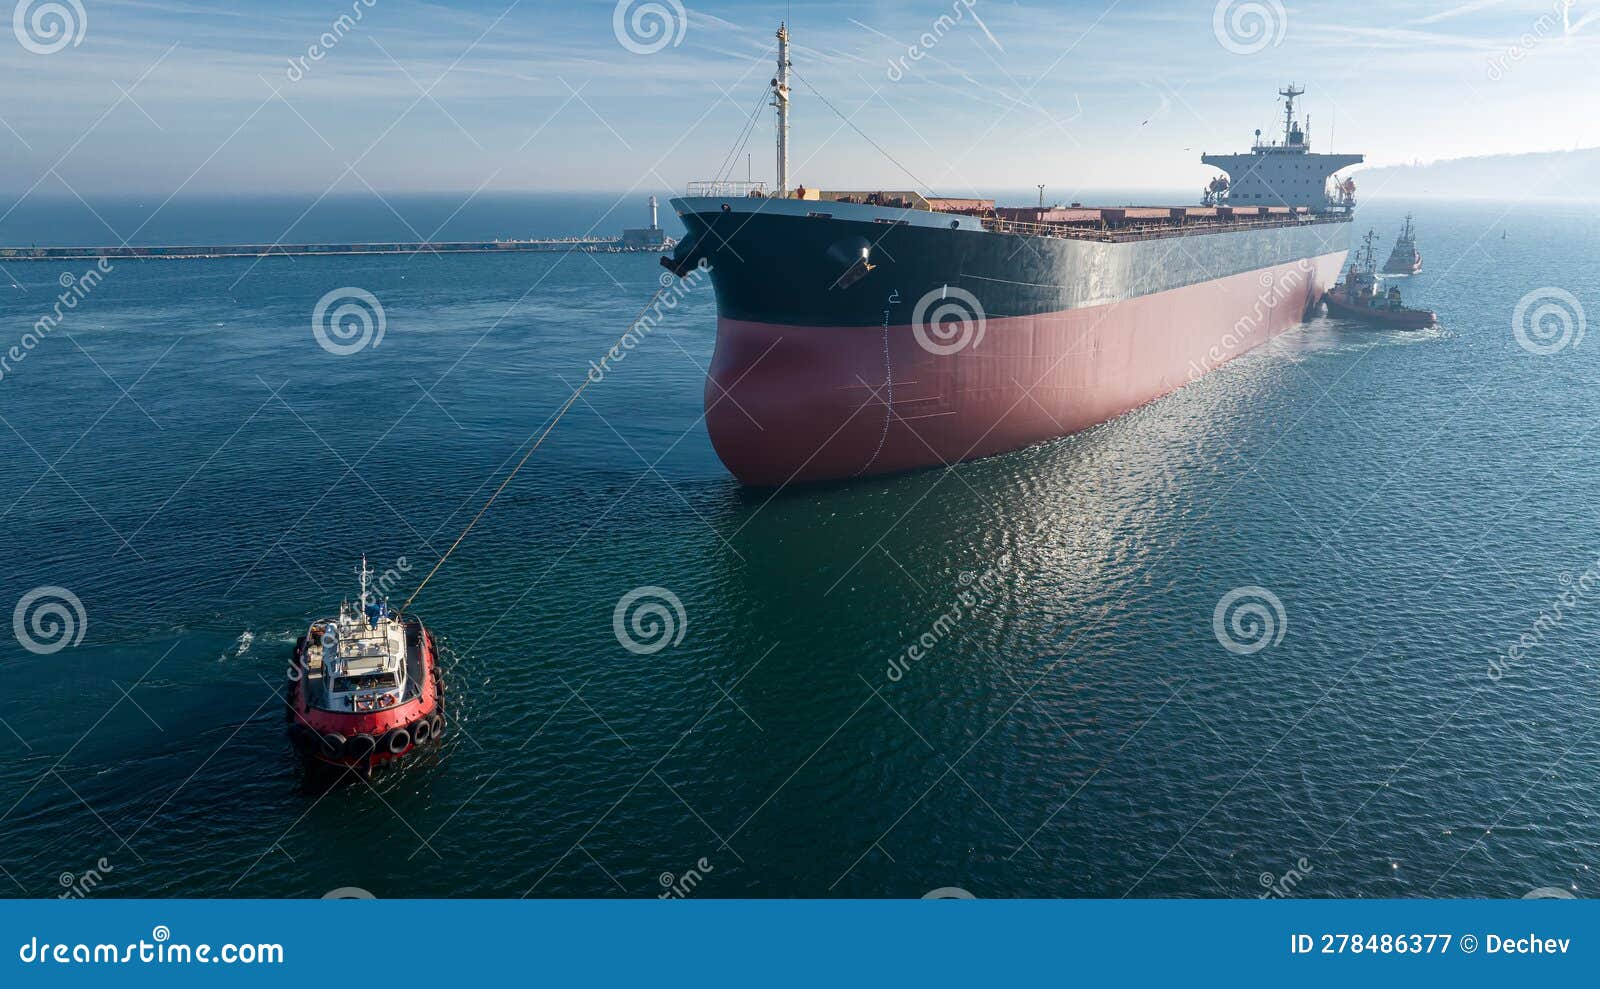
{"x":372,"y":681}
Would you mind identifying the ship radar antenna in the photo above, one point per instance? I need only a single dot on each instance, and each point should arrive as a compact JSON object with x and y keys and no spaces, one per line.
{"x":1288,"y":93}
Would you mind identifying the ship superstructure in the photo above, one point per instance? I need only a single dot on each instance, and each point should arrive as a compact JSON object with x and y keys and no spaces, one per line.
{"x":1281,"y":173}
{"x":865,"y":332}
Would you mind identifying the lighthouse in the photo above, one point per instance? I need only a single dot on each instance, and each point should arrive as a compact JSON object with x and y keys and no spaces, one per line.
{"x":649,"y":238}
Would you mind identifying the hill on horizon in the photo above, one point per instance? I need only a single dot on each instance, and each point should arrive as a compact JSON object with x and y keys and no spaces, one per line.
{"x":1556,"y":175}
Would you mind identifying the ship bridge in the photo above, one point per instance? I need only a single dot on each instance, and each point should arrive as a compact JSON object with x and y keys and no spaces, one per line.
{"x":1284,"y":173}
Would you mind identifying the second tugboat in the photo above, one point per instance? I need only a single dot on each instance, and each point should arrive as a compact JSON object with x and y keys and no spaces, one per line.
{"x":1404,"y":259}
{"x":1358,"y":297}
{"x":364,"y":686}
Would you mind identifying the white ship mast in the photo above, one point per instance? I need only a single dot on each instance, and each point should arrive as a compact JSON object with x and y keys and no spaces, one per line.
{"x":1289,"y":93}
{"x":780,"y":99}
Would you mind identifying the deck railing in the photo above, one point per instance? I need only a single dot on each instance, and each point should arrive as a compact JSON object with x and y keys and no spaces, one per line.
{"x":1148,"y":231}
{"x":727,"y":189}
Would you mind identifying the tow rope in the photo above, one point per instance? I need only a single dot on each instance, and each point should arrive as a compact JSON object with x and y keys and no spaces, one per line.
{"x":538,"y":438}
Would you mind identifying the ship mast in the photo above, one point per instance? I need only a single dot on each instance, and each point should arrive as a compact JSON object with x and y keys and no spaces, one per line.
{"x":780,"y":99}
{"x":1289,"y":93}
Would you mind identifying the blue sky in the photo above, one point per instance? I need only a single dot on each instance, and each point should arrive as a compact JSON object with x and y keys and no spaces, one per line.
{"x":161,"y":95}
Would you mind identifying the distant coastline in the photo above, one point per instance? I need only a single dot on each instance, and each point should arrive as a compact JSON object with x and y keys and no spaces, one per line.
{"x":1571,"y":176}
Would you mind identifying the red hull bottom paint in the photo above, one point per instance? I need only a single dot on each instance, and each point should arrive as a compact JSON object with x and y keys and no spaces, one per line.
{"x":791,"y":404}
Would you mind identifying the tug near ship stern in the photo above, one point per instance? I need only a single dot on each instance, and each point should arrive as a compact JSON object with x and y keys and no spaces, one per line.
{"x":364,"y":687}
{"x":1358,"y":296}
{"x":872,"y":332}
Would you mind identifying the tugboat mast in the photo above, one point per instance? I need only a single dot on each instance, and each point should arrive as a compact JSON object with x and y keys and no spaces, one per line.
{"x":780,"y":99}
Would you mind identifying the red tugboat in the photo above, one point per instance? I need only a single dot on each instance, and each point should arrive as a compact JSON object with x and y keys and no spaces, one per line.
{"x":364,"y":686}
{"x":1357,"y":297}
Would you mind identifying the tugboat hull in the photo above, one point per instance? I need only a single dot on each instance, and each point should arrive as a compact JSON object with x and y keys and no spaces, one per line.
{"x":366,"y":740}
{"x":1400,"y":319}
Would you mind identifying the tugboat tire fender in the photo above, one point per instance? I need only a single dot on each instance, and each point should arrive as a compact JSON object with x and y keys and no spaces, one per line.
{"x":333,"y":745}
{"x":422,"y":731}
{"x":436,"y":725}
{"x":360,"y":746}
{"x":397,"y":741}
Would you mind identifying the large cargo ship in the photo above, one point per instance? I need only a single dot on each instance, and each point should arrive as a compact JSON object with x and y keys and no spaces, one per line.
{"x":865,"y":333}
